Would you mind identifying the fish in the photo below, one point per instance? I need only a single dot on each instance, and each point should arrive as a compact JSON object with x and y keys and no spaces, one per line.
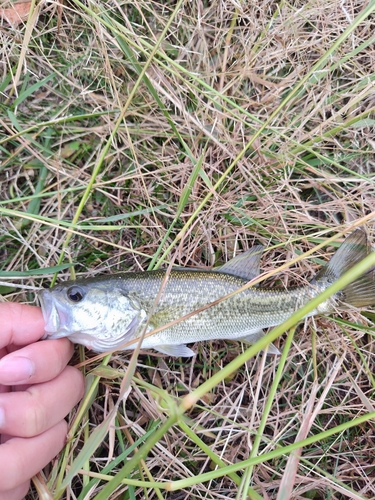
{"x":106,"y":312}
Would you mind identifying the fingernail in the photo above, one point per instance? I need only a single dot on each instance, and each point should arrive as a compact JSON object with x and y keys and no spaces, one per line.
{"x":15,"y":370}
{"x":2,"y":417}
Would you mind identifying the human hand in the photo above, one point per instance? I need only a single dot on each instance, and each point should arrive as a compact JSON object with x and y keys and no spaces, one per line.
{"x":37,"y":390}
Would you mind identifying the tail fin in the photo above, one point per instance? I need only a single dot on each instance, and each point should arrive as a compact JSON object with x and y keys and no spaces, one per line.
{"x":360,"y":292}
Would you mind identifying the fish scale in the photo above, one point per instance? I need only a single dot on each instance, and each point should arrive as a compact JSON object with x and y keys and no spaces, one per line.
{"x":235,"y":316}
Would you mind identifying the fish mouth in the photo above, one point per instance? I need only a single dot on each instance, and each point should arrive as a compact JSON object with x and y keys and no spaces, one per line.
{"x":54,"y":317}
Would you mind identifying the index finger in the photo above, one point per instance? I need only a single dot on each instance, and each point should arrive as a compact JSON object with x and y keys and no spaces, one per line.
{"x":21,"y":324}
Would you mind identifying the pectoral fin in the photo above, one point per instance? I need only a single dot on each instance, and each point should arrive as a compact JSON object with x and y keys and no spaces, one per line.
{"x":164,"y":316}
{"x":175,"y":350}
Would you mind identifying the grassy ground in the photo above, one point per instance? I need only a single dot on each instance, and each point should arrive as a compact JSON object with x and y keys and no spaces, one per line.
{"x":136,"y":133}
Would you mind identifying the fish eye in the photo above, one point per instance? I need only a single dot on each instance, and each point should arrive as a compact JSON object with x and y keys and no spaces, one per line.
{"x":75,"y":293}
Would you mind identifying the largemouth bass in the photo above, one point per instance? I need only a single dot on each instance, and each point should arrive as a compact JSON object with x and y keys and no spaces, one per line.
{"x":106,"y":312}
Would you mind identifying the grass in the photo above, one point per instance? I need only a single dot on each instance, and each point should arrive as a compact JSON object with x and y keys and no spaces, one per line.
{"x":133,"y":135}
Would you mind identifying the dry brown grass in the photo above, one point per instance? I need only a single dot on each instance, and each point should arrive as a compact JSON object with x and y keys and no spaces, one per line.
{"x":283,"y":94}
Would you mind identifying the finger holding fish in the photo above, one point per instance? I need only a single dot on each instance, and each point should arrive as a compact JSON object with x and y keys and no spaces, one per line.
{"x":28,"y":365}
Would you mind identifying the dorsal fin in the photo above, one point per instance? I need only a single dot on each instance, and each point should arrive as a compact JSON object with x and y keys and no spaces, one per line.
{"x":245,"y":266}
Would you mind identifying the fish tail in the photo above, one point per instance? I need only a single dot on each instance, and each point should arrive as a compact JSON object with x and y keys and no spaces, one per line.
{"x":361,"y":292}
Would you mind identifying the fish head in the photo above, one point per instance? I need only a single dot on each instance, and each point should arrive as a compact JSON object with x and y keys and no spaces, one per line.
{"x":97,"y":316}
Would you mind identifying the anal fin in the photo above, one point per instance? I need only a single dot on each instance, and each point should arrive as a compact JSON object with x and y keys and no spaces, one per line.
{"x":175,"y":350}
{"x":255,"y":335}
